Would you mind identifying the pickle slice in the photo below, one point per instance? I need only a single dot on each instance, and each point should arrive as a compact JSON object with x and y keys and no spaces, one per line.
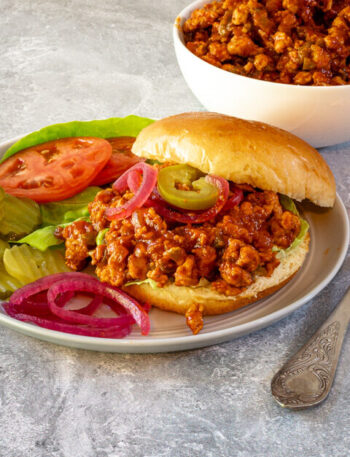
{"x":28,"y":264}
{"x":18,"y":216}
{"x":8,"y":284}
{"x":3,"y":245}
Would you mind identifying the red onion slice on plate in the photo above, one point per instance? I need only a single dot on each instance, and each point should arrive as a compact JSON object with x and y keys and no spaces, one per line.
{"x":29,"y":304}
{"x":60,"y":326}
{"x":42,"y":284}
{"x":76,"y":317}
{"x":83,"y":285}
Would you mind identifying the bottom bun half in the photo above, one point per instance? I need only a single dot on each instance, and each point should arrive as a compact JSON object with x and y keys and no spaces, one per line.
{"x":179,"y":298}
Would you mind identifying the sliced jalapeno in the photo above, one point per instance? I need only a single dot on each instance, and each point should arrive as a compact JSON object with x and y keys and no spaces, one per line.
{"x":186,"y":187}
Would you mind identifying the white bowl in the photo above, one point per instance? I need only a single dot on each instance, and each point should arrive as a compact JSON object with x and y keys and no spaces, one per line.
{"x":319,"y":115}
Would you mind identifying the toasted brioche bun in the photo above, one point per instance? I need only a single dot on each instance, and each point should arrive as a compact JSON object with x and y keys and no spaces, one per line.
{"x":178,"y":298}
{"x":240,"y":151}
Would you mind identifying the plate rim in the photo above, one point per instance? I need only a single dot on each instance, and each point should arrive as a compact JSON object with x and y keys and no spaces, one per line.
{"x":177,"y":343}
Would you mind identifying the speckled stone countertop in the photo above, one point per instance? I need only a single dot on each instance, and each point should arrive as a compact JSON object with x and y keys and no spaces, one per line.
{"x":63,"y":60}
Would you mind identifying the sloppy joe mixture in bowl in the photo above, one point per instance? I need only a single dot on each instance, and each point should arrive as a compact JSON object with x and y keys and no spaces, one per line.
{"x":285,"y":62}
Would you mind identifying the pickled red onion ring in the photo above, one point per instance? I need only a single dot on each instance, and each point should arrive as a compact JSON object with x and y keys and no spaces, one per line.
{"x":58,"y":325}
{"x":30,"y":305}
{"x":134,"y":180}
{"x":75,"y":317}
{"x":235,"y":199}
{"x":83,"y":285}
{"x":27,"y":291}
{"x":92,"y":307}
{"x":149,"y":179}
{"x":37,"y":305}
{"x":193,"y":217}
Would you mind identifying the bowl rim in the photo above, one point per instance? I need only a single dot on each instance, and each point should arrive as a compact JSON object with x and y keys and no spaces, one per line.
{"x":178,"y":39}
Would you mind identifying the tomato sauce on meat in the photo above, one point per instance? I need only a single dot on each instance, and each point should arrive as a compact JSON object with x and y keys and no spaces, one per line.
{"x":304,"y":42}
{"x":228,"y":251}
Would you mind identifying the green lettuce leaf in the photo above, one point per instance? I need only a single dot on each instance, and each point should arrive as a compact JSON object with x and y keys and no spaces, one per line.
{"x":68,"y":210}
{"x":106,"y":128}
{"x":153,"y":162}
{"x":289,"y":205}
{"x":42,"y":238}
{"x":149,"y":281}
{"x":304,"y":227}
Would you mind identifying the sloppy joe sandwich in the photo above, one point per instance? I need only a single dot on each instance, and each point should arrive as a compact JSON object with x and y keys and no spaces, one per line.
{"x":206,"y":222}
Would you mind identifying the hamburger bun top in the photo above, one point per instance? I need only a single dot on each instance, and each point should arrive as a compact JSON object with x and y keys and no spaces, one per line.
{"x":241,"y":151}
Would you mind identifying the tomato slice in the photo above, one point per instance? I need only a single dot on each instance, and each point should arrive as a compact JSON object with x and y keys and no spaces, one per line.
{"x":122,"y":158}
{"x":55,"y":170}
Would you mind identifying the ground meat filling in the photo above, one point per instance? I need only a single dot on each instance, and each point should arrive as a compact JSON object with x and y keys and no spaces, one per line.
{"x":229,"y":251}
{"x":79,"y":239}
{"x":303,"y":42}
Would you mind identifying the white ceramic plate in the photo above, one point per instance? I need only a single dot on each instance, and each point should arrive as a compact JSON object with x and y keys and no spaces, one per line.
{"x":329,"y":243}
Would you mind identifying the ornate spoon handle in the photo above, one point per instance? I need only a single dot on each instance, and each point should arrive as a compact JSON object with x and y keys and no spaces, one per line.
{"x":306,"y":379}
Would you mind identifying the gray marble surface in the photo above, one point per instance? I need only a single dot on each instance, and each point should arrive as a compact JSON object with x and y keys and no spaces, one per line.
{"x":62,"y":60}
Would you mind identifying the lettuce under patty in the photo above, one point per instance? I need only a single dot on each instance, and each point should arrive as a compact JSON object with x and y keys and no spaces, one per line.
{"x":149,"y":281}
{"x":289,"y":205}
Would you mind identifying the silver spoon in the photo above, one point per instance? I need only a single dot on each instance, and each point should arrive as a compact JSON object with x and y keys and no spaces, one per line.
{"x":306,"y":379}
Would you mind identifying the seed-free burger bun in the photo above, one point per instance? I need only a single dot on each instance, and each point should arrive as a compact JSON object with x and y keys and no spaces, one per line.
{"x":243,"y":152}
{"x":240,"y":151}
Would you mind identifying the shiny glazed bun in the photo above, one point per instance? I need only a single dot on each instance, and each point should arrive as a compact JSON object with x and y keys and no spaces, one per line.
{"x":241,"y":151}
